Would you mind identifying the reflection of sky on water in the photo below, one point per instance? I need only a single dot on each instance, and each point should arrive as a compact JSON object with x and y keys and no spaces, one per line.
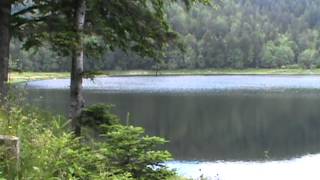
{"x":187,"y":83}
{"x":305,"y":168}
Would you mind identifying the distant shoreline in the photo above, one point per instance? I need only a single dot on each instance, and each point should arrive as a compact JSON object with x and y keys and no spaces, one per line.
{"x":185,"y":72}
{"x":16,"y":77}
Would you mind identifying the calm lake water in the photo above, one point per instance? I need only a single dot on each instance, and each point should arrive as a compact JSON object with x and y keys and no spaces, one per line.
{"x":224,"y":127}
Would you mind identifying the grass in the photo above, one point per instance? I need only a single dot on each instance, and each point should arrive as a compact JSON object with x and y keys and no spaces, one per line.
{"x":16,"y":77}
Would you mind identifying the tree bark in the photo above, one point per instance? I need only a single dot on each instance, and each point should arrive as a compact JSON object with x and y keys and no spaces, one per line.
{"x":77,"y":100}
{"x":5,"y":12}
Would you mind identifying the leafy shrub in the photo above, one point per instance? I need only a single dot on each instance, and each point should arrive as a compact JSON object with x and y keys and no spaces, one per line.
{"x":50,"y":151}
{"x":127,"y":147}
{"x":275,"y":55}
{"x":309,"y":58}
{"x":3,"y":161}
{"x":95,"y":116}
{"x":131,"y":151}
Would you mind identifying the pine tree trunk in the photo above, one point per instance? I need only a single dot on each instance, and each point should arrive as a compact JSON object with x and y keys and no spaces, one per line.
{"x":5,"y":12}
{"x":77,"y":101}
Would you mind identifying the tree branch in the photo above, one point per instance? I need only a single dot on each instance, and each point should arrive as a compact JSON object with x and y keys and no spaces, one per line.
{"x":23,"y":11}
{"x":24,"y":21}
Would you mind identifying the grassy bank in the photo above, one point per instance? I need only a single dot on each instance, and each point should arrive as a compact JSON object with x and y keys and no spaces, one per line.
{"x":217,"y":72}
{"x":29,"y":76}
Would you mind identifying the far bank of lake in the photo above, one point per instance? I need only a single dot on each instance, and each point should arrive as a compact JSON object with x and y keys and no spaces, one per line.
{"x":17,"y":77}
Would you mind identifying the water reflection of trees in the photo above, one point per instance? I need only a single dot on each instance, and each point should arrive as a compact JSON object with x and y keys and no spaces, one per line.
{"x":222,"y":127}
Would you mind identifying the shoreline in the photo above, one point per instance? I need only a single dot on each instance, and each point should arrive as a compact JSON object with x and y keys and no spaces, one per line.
{"x":16,"y":77}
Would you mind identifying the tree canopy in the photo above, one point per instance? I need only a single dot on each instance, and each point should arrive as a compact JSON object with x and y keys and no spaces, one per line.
{"x":81,"y":27}
{"x":235,"y":35}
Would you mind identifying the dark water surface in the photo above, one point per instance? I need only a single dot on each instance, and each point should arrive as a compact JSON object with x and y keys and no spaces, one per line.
{"x":209,"y":118}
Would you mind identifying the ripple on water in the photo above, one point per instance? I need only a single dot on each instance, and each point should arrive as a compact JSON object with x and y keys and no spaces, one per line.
{"x":187,"y":83}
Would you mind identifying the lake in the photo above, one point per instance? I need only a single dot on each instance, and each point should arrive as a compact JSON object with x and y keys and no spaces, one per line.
{"x":224,"y":127}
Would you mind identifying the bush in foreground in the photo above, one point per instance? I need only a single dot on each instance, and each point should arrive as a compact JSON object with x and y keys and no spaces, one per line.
{"x":50,"y":151}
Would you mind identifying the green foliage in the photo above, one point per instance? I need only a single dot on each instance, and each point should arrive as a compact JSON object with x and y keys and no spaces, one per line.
{"x":5,"y":166}
{"x":309,"y":58}
{"x":49,"y":151}
{"x":276,"y":55}
{"x":133,"y":152}
{"x":239,"y":34}
{"x":140,"y":26}
{"x":268,"y":59}
{"x":36,"y":59}
{"x":233,"y":36}
{"x":127,"y":147}
{"x":97,"y":115}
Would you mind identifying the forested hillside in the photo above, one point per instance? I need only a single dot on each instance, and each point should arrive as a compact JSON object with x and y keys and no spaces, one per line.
{"x":240,"y":34}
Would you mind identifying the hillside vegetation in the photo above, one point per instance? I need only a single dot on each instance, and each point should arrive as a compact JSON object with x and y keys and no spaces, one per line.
{"x":239,"y":34}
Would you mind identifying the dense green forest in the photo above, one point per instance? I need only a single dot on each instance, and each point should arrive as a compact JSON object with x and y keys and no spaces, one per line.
{"x":240,"y":34}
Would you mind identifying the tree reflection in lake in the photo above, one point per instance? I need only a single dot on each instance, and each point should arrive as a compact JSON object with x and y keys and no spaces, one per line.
{"x":232,"y":125}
